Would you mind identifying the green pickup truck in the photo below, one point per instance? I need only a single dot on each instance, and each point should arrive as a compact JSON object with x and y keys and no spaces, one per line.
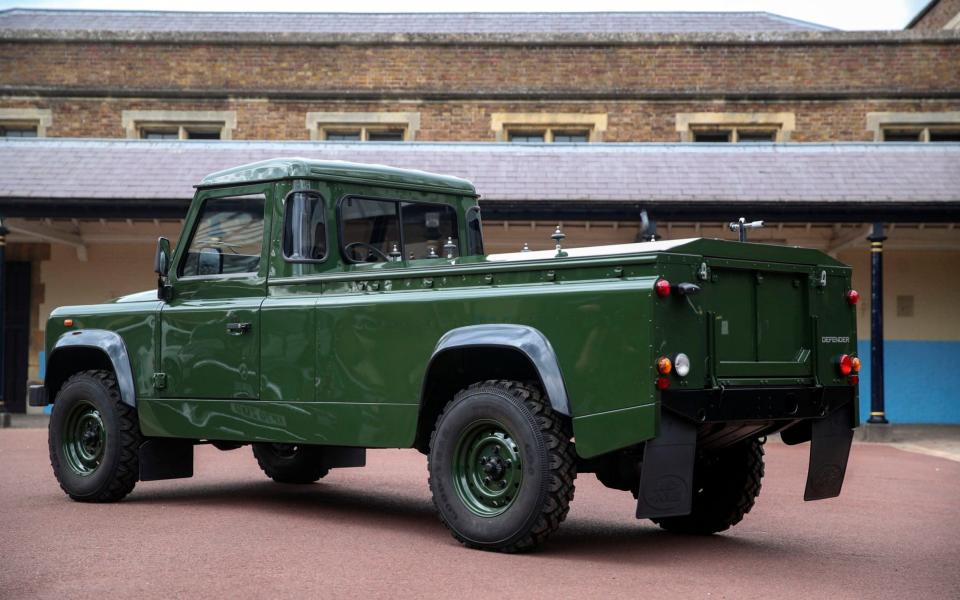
{"x":313,"y":309}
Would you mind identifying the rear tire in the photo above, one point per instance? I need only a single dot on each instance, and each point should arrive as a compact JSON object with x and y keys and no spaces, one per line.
{"x":290,"y":463}
{"x":726,"y":484}
{"x":94,"y":439}
{"x":501,"y":466}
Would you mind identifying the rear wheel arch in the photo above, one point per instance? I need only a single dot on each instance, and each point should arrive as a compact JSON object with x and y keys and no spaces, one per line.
{"x":467,"y":355}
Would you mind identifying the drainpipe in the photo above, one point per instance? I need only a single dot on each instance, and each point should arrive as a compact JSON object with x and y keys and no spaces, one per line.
{"x":877,"y":412}
{"x":4,"y":415}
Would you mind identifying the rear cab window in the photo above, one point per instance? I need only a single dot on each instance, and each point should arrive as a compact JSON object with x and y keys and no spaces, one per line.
{"x":376,"y":230}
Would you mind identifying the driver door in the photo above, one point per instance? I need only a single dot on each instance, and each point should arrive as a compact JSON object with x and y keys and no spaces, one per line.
{"x":210,"y":329}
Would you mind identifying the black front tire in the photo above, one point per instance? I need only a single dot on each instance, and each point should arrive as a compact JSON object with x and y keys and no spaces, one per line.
{"x":525,"y":449}
{"x":94,"y":439}
{"x":291,"y":463}
{"x":726,"y":484}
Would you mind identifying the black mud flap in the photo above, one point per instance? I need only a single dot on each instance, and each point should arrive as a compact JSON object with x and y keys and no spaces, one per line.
{"x":162,"y":458}
{"x":666,"y":477}
{"x":829,"y":450}
{"x":338,"y":457}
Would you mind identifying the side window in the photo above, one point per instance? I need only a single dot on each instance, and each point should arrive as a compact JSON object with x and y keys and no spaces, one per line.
{"x":227,"y":238}
{"x":474,"y":232}
{"x":304,"y":227}
{"x":427,"y":228}
{"x":371,"y":230}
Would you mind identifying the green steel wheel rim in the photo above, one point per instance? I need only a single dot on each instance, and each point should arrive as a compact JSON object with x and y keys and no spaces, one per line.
{"x":84,"y":439}
{"x":487,"y":468}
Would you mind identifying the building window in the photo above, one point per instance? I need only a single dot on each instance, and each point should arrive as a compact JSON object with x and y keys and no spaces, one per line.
{"x":362,"y":134}
{"x":180,"y":132}
{"x":922,"y":134}
{"x":179,"y":124}
{"x":548,"y":135}
{"x":363,"y":126}
{"x":24,"y":122}
{"x":914,"y":126}
{"x":741,"y":135}
{"x":18,"y":130}
{"x":560,"y":128}
{"x":740,"y":128}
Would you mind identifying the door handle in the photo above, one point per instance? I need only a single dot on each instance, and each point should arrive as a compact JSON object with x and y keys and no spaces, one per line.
{"x":238,"y":328}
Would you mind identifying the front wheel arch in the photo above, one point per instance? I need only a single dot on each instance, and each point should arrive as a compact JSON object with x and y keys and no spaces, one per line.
{"x":86,"y":350}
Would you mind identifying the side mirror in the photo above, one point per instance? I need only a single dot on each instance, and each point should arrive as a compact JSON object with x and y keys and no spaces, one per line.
{"x":161,"y":264}
{"x":161,"y":261}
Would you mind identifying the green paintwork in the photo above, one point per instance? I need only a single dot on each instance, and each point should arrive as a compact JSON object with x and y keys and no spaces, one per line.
{"x":487,"y":468}
{"x":84,"y":439}
{"x":337,"y":353}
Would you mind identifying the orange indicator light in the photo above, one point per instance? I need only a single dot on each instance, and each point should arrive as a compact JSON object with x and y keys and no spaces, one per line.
{"x":664,"y":366}
{"x":68,"y":322}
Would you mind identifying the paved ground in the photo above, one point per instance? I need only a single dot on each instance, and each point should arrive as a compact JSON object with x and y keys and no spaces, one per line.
{"x":894,"y":533}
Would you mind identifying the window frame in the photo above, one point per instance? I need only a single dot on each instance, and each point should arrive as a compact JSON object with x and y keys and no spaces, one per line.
{"x":134,"y":122}
{"x":283,"y":229}
{"x":593,"y":124}
{"x":466,"y":222}
{"x":783,"y":124}
{"x":403,"y":242}
{"x":193,"y":232}
{"x":38,"y":119}
{"x":318,"y":123}
{"x":183,"y":130}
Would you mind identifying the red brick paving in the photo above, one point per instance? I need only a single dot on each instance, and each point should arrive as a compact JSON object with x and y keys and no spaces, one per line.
{"x":230,"y":533}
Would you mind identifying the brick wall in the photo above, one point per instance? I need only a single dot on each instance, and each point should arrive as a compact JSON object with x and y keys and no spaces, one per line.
{"x":464,"y":69}
{"x":641,"y":87}
{"x":938,"y":16}
{"x":628,"y":121}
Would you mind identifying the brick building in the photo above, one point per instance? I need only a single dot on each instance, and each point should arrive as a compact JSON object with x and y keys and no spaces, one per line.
{"x":769,"y":98}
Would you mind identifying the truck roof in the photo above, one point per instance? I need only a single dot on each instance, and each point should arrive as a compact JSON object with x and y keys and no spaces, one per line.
{"x":288,"y":168}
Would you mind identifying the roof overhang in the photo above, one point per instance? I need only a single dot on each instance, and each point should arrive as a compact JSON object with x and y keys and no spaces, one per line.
{"x":608,"y":181}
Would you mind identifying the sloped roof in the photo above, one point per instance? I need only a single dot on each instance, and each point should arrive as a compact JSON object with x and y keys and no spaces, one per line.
{"x":838,"y":174}
{"x":426,"y":23}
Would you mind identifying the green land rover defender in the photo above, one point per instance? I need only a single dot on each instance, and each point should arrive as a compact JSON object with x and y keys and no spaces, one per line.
{"x":314,"y":309}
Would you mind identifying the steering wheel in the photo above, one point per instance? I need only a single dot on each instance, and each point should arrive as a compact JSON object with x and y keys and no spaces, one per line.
{"x":371,"y":247}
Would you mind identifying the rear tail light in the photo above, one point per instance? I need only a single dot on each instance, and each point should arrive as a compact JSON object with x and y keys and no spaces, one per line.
{"x":855,"y":364}
{"x":662,"y":286}
{"x":854,"y":379}
{"x":664,"y":366}
{"x":845,"y":365}
{"x":662,"y":383}
{"x":853,"y":296}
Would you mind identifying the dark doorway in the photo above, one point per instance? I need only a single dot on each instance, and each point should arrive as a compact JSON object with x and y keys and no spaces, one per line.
{"x":16,"y":349}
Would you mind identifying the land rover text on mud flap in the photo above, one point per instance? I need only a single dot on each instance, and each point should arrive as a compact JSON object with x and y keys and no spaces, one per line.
{"x":315,"y":309}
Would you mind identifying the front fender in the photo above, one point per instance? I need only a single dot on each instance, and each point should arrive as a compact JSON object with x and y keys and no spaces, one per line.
{"x":109,"y":343}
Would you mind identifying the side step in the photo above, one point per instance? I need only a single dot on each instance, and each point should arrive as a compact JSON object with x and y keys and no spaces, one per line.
{"x":666,"y":477}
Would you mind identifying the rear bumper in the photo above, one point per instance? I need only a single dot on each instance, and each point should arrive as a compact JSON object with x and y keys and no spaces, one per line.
{"x":37,"y":395}
{"x":788,"y":403}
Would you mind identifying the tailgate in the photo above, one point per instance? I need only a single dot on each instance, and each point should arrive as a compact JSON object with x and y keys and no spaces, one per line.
{"x":762,"y":325}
